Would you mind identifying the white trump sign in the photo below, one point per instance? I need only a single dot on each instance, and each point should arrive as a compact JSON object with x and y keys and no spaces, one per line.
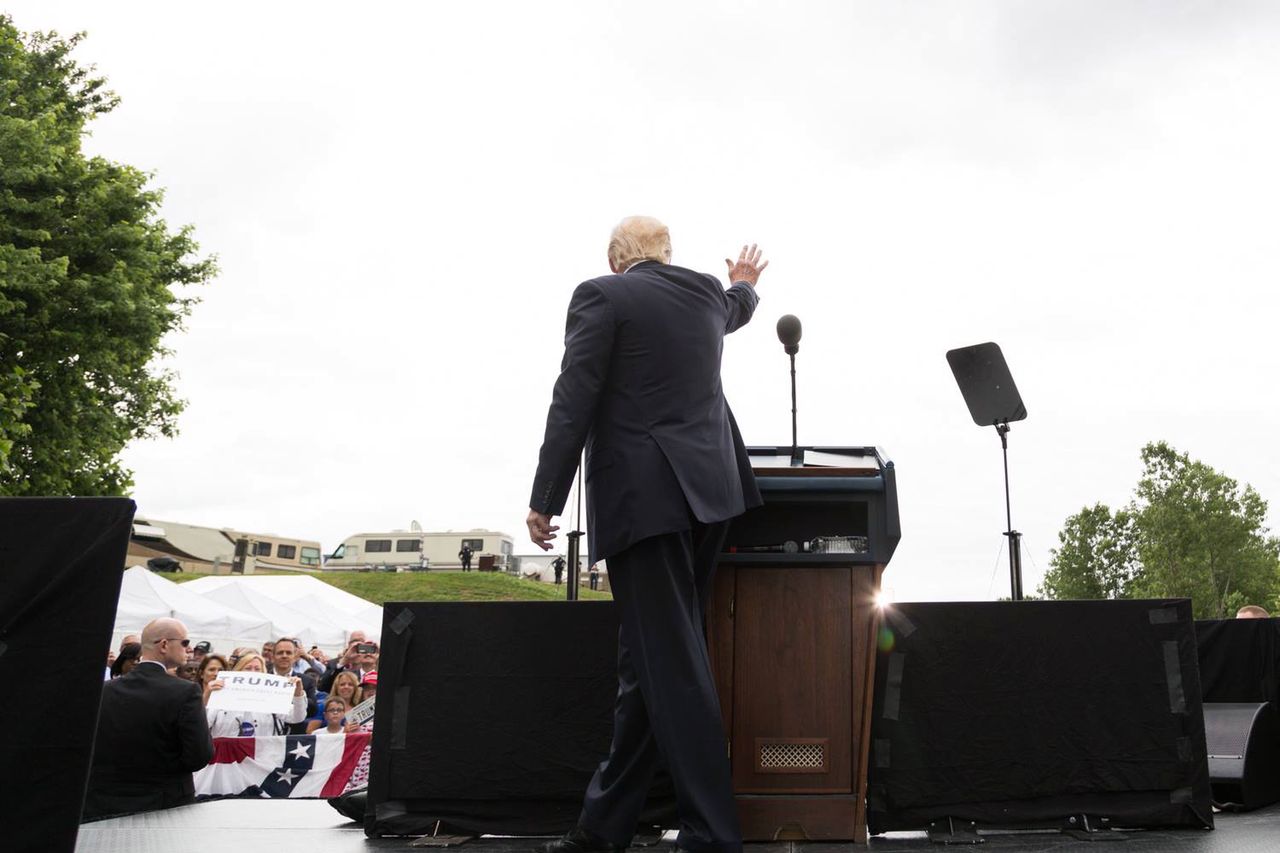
{"x":253,"y":691}
{"x":362,"y":712}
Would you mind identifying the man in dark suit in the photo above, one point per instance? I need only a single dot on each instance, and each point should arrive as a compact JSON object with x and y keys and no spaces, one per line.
{"x":152,"y":732}
{"x":352,"y":659}
{"x":284,"y":658}
{"x":665,"y":471}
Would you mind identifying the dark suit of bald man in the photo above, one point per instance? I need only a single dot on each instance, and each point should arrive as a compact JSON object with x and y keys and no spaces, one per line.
{"x":152,"y":735}
{"x":665,"y":471}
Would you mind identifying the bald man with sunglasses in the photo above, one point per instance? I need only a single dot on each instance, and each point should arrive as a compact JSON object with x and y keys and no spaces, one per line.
{"x":152,"y":732}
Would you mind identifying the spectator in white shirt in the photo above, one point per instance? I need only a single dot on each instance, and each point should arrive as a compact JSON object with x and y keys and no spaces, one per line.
{"x":227,"y":723}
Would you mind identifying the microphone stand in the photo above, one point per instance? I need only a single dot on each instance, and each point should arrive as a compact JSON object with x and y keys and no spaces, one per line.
{"x":1015,"y":538}
{"x":797,"y":458}
{"x":574,"y":536}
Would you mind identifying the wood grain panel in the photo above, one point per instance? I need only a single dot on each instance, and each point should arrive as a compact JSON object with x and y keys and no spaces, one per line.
{"x":800,"y":818}
{"x":793,"y":672}
{"x":866,"y":627}
{"x":720,"y":641}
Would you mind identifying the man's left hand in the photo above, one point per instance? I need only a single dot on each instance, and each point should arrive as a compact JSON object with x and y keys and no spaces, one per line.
{"x":541,"y":530}
{"x":748,"y":267}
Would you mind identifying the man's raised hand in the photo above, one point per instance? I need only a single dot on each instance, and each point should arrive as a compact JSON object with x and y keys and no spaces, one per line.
{"x":748,"y":267}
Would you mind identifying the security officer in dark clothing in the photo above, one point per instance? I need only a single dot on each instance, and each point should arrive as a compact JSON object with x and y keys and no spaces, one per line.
{"x":152,"y":732}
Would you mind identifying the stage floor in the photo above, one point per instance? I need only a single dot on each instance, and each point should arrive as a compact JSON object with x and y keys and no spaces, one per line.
{"x":309,"y":826}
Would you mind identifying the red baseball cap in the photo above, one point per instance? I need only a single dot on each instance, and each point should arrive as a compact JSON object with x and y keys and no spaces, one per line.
{"x":370,"y":677}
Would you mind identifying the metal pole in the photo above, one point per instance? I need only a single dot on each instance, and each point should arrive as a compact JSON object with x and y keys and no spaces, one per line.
{"x":571,"y":581}
{"x":571,"y":587}
{"x":1015,"y":563}
{"x":794,"y":441}
{"x":1015,"y":538}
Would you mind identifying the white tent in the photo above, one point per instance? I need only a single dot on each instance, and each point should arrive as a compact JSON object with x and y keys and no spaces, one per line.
{"x":367,"y":618}
{"x":286,"y":621}
{"x":308,"y":595}
{"x":145,"y":595}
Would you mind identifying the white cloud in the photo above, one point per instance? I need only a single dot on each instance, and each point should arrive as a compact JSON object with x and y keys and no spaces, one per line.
{"x":402,"y":198}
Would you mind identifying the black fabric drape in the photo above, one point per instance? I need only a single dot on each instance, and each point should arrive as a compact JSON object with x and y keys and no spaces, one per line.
{"x":492,"y":716}
{"x":1014,"y":713}
{"x":1239,"y":660}
{"x":61,"y":561}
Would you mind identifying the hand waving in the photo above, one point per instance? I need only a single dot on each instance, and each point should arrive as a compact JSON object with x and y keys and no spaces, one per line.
{"x":748,"y":267}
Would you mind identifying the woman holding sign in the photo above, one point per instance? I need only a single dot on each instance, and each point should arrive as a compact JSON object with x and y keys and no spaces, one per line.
{"x":229,"y":723}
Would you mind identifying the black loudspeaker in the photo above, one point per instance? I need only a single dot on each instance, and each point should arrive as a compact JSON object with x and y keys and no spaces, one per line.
{"x":1244,"y":753}
{"x":61,"y":561}
{"x":492,"y":716}
{"x":1026,"y":714}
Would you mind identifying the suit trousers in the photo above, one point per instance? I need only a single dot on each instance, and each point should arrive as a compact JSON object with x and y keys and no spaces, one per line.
{"x":666,"y":710}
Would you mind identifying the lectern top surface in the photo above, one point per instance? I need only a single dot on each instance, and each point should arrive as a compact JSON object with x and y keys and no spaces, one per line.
{"x":817,"y":463}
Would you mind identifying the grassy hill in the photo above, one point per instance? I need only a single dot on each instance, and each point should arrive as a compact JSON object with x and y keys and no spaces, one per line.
{"x":381,"y":587}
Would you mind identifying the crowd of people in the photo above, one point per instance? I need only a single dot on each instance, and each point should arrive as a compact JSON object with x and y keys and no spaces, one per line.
{"x":156,"y":729}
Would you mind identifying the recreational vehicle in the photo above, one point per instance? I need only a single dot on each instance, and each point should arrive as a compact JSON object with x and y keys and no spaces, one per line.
{"x":277,"y":552}
{"x":218,"y":549}
{"x":408,"y":550}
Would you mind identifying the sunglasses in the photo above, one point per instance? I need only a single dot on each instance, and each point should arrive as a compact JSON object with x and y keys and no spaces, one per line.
{"x":185,"y":642}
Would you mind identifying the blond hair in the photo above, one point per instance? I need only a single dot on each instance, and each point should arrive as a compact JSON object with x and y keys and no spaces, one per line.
{"x":638,"y":238}
{"x":348,"y":675}
{"x":244,"y":661}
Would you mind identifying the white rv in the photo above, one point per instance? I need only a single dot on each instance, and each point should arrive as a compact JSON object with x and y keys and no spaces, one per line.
{"x":415,"y":550}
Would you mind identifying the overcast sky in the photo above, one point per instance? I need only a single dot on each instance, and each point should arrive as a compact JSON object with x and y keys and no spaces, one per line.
{"x":402,"y":198}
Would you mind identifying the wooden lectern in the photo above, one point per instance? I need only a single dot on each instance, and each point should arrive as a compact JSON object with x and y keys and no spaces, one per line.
{"x":791,"y":631}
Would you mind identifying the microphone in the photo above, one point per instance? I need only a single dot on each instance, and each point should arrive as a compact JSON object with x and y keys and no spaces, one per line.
{"x":789,"y":333}
{"x":788,"y":547}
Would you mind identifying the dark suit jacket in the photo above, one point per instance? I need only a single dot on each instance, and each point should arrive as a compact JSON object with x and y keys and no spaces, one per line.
{"x":640,"y":386}
{"x":152,"y":735}
{"x":325,"y":682}
{"x":331,"y":670}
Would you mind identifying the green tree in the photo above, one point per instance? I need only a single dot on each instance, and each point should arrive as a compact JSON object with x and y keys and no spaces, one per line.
{"x":87,"y":271}
{"x":1096,"y":557}
{"x":1203,"y":536}
{"x":1189,"y":532}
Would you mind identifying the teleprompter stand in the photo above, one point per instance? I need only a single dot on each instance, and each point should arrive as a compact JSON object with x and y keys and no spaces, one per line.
{"x":993,"y":400}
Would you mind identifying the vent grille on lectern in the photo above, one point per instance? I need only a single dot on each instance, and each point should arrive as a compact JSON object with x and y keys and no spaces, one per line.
{"x":791,"y":756}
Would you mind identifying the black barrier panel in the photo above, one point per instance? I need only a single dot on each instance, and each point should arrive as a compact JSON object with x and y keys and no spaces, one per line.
{"x":492,"y":716}
{"x":1239,"y":660}
{"x":1020,"y":714}
{"x":61,"y":560}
